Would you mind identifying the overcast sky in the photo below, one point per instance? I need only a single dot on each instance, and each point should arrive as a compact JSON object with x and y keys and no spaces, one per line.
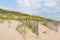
{"x":45,"y":8}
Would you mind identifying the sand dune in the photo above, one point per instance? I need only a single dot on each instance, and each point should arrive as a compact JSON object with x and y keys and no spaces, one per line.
{"x":10,"y":33}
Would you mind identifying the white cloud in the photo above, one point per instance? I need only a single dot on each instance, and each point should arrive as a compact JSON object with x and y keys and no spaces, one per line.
{"x":50,"y":3}
{"x":35,"y":6}
{"x":28,"y":6}
{"x":26,"y":3}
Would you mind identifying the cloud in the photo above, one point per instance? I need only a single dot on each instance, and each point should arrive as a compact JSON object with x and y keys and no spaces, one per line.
{"x":28,"y":6}
{"x":50,"y":2}
{"x":52,"y":6}
{"x":38,"y":7}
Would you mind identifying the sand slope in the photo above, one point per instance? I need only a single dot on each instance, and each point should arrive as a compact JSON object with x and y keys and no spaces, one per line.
{"x":10,"y":33}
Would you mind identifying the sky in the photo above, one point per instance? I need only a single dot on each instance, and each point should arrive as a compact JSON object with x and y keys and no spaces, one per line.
{"x":45,"y":8}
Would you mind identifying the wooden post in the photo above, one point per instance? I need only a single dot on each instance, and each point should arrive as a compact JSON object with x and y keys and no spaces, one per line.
{"x":37,"y":27}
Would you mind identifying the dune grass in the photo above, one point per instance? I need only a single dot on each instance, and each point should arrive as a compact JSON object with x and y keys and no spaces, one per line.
{"x":14,"y":15}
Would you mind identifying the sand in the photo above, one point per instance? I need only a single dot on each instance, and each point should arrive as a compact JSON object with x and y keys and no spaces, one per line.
{"x":10,"y":33}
